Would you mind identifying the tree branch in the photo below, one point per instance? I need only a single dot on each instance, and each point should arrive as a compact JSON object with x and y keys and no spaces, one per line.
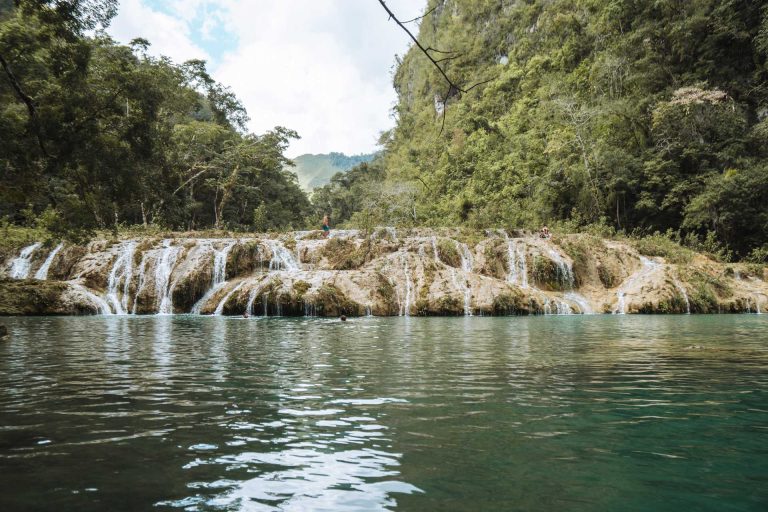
{"x":26,"y":99}
{"x":452,"y":86}
{"x":422,"y":16}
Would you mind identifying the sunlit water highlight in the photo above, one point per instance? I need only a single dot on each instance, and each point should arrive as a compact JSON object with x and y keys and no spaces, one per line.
{"x":572,"y":413}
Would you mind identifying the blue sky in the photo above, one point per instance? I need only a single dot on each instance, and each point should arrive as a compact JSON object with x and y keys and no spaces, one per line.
{"x":320,"y":67}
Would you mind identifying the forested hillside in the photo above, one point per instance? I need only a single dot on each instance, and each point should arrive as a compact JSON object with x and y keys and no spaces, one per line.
{"x":316,"y":170}
{"x":96,"y":135}
{"x":636,"y":115}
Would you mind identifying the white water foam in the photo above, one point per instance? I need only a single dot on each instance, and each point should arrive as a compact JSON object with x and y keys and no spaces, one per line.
{"x":42,"y":272}
{"x":21,"y":266}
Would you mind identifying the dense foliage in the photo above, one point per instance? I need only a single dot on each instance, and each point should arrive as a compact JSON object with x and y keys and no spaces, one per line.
{"x":95,"y":134}
{"x":640,"y":115}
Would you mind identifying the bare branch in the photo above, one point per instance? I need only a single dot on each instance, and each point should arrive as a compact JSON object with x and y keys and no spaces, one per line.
{"x":452,"y":86}
{"x":430,"y":49}
{"x":422,"y":16}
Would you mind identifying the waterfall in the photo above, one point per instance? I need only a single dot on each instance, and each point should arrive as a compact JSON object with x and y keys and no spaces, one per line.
{"x":142,"y":279}
{"x":434,"y":249}
{"x":163,"y":271}
{"x":561,"y":307}
{"x":564,"y":269}
{"x":466,"y":267}
{"x":282,"y":258}
{"x":408,"y":285}
{"x":517,"y":262}
{"x":648,"y":267}
{"x":122,"y":271}
{"x":20,"y":266}
{"x":757,"y":304}
{"x":581,"y":301}
{"x":684,"y":293}
{"x":220,"y":307}
{"x":251,"y":300}
{"x":101,"y":305}
{"x":42,"y":272}
{"x":219,"y":276}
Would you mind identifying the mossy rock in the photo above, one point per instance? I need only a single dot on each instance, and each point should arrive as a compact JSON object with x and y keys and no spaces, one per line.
{"x":328,"y":300}
{"x":605,"y":274}
{"x":343,"y":254}
{"x":191,"y":289}
{"x":386,"y":293}
{"x":547,"y":275}
{"x":32,"y":297}
{"x":510,"y":303}
{"x":245,"y":258}
{"x":448,"y":305}
{"x":496,"y":259}
{"x":448,"y":252}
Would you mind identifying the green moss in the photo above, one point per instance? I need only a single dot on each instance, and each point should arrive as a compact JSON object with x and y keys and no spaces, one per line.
{"x":343,"y":254}
{"x":496,"y":259}
{"x":546,"y":274}
{"x":300,"y":288}
{"x":449,"y":305}
{"x":386,"y":292}
{"x":330,"y":301}
{"x":448,"y":253}
{"x":510,"y":303}
{"x":661,"y":245}
{"x":606,"y":276}
{"x":32,"y":297}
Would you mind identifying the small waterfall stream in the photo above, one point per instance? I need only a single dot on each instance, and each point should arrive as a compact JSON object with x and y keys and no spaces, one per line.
{"x":684,"y":293}
{"x":42,"y":272}
{"x":163,"y":271}
{"x":466,"y":267}
{"x":220,"y":307}
{"x":282,"y":258}
{"x":648,"y":267}
{"x":405,"y":308}
{"x":121,"y":273}
{"x":21,"y":266}
{"x":219,"y":276}
{"x":516,"y":261}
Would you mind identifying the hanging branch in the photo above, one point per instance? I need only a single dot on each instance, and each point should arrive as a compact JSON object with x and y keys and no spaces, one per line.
{"x":452,"y":86}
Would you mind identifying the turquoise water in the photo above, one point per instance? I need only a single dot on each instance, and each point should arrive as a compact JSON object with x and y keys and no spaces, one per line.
{"x":559,"y":413}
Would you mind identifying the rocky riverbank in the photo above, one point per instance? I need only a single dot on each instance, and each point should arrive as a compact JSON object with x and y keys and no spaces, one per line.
{"x":389,"y":272}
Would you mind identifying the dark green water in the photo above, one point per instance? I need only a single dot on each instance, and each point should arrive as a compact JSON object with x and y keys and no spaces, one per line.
{"x":559,"y":413}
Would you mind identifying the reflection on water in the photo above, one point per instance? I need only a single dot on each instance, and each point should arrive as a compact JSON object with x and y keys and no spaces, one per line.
{"x":190,"y":413}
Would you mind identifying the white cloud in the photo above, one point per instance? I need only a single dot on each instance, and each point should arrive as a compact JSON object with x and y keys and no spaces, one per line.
{"x":320,"y":67}
{"x":168,"y":35}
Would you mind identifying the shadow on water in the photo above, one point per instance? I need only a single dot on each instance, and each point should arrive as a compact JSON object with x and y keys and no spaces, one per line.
{"x":575,"y":413}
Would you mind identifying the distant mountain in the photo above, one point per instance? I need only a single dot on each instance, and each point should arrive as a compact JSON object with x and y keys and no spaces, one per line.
{"x":316,"y":170}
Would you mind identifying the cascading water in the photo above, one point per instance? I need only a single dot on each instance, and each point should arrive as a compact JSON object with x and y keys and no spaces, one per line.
{"x":163,"y":271}
{"x":21,"y":266}
{"x":434,"y":249}
{"x":282,"y":258}
{"x":406,"y":307}
{"x":649,"y":267}
{"x":517,"y":261}
{"x":580,"y":301}
{"x":220,"y":307}
{"x":100,"y":304}
{"x":42,"y":272}
{"x":251,"y":300}
{"x":564,"y":269}
{"x":121,"y":273}
{"x":466,"y":267}
{"x":219,"y":276}
{"x":684,"y":293}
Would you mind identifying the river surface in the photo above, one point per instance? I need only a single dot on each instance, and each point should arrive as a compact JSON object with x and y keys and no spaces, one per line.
{"x":599,"y":413}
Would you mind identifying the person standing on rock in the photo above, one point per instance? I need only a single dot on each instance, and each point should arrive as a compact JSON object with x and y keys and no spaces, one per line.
{"x":326,"y":226}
